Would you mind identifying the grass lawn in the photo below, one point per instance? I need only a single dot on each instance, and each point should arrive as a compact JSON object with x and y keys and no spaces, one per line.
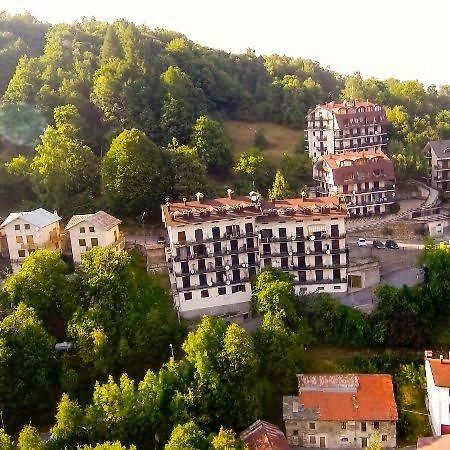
{"x":280,"y":138}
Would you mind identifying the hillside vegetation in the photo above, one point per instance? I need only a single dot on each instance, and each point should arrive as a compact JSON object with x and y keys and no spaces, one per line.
{"x":280,"y":138}
{"x":118,"y":116}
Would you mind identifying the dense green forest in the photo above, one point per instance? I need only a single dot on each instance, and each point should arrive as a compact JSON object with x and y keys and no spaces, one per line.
{"x":81,"y":101}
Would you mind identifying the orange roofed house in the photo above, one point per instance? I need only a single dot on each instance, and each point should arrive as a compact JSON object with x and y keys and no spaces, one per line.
{"x":216,"y":246}
{"x":350,"y":126}
{"x":341,"y":411}
{"x":437,"y":371}
{"x":364,"y":180}
{"x":263,"y":435}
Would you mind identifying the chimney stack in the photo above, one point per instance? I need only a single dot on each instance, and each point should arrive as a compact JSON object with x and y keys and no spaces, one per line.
{"x":200,"y":197}
{"x":184,"y":201}
{"x":230,"y":193}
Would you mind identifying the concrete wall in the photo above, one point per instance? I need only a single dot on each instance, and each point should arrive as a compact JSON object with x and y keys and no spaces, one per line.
{"x":338,"y":434}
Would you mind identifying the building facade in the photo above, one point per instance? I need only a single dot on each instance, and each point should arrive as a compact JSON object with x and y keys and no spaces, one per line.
{"x":25,"y":232}
{"x":437,"y":154}
{"x":363,"y":180}
{"x":341,"y":411}
{"x":217,"y":245}
{"x":349,"y":126}
{"x":437,"y":371}
{"x":93,"y":230}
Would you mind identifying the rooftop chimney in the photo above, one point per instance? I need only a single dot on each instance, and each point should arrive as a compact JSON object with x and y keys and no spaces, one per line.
{"x":184,"y":201}
{"x":230,"y":193}
{"x":200,"y":197}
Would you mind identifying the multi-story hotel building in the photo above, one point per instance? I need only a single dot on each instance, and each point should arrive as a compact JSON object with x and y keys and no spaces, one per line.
{"x":217,"y":245}
{"x":438,"y":156}
{"x":25,"y":232}
{"x":364,"y":180}
{"x":349,"y":126}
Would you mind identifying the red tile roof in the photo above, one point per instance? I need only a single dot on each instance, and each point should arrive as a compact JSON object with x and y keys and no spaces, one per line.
{"x":335,"y":106}
{"x":349,"y":397}
{"x":367,"y":166}
{"x":440,"y":371}
{"x":263,"y":435}
{"x":222,"y":208}
{"x":100,"y":218}
{"x":434,"y":443}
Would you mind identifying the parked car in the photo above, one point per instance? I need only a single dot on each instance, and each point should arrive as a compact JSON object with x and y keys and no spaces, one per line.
{"x":378,"y":244}
{"x":391,"y":244}
{"x":362,"y":242}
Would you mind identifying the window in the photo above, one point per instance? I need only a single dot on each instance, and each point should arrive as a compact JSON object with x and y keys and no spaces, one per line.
{"x":363,"y":426}
{"x":181,"y":236}
{"x":344,"y":425}
{"x":376,"y":425}
{"x":82,"y":230}
{"x":21,"y":253}
{"x":222,"y":291}
{"x":282,"y":233}
{"x":188,"y":296}
{"x":17,"y":227}
{"x":204,"y":293}
{"x":217,"y":247}
{"x":384,"y":437}
{"x":312,"y":426}
{"x":249,"y":228}
{"x":19,"y":240}
{"x":94,"y":242}
{"x":202,"y":279}
{"x":82,"y":242}
{"x":91,"y":229}
{"x":218,"y":261}
{"x":198,"y":234}
{"x":216,"y":232}
{"x":186,"y":282}
{"x":30,"y":239}
{"x":27,"y":226}
{"x":295,"y":432}
{"x":312,"y":439}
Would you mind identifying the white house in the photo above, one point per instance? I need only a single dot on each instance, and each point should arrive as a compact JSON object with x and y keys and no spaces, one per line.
{"x":93,"y":230}
{"x":437,"y":372}
{"x":25,"y":232}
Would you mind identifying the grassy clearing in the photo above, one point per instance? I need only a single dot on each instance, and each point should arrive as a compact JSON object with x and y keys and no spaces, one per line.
{"x":280,"y":138}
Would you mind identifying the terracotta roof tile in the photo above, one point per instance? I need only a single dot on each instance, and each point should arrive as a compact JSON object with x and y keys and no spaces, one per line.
{"x":263,"y":435}
{"x":100,"y":218}
{"x":349,"y":397}
{"x":440,"y":371}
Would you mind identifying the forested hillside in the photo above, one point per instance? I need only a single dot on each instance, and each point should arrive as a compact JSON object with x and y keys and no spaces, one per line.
{"x":109,"y":95}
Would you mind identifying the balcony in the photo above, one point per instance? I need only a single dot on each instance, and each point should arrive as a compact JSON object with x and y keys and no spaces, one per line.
{"x":207,"y":239}
{"x":321,"y":138}
{"x":324,"y":281}
{"x":211,"y":284}
{"x":212,"y":269}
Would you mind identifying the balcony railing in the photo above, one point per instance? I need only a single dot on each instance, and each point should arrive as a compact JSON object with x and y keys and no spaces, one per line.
{"x":324,"y":281}
{"x":211,"y":269}
{"x":223,"y":237}
{"x":214,"y":284}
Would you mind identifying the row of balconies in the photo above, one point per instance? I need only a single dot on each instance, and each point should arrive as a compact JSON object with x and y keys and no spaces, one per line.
{"x":294,"y":237}
{"x":360,"y":202}
{"x":209,"y":238}
{"x":211,"y":283}
{"x":192,"y":256}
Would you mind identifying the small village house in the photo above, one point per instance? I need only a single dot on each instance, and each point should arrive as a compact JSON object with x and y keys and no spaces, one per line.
{"x":341,"y":411}
{"x":262,"y":435}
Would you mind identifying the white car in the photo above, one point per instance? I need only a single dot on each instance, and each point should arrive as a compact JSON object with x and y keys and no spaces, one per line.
{"x":362,"y":242}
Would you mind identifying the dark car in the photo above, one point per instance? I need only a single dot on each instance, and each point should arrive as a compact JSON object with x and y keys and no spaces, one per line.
{"x":161,"y":240}
{"x":378,"y":244}
{"x":391,"y":244}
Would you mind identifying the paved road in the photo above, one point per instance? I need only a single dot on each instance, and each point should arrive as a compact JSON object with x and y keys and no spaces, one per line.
{"x":365,"y":298}
{"x":403,"y":245}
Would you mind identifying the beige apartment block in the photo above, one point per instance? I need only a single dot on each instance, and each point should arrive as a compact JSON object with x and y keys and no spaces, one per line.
{"x":216,"y":246}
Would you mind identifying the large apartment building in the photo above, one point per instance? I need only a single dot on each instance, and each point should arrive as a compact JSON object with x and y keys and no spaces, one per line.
{"x":364,"y":180}
{"x":217,"y":245}
{"x":25,"y":232}
{"x":438,"y":155}
{"x":349,"y":126}
{"x":341,"y":411}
